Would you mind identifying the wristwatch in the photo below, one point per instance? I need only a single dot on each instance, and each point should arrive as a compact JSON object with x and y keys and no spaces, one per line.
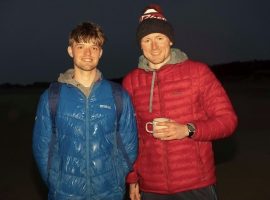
{"x":191,"y":129}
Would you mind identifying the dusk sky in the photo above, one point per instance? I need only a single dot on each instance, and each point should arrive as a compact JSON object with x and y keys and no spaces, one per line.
{"x":34,"y":33}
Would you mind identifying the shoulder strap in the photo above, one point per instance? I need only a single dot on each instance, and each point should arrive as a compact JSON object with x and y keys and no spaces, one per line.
{"x":54,"y":93}
{"x":53,"y":98}
{"x":117,"y":94}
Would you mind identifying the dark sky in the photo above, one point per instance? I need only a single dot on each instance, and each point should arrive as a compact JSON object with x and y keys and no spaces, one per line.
{"x":34,"y":33}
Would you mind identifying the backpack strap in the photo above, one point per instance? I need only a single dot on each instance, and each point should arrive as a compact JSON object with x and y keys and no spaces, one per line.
{"x":53,"y":98}
{"x":54,"y":94}
{"x":117,"y":94}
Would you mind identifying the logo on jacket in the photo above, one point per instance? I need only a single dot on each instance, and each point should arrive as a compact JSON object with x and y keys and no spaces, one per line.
{"x":105,"y":106}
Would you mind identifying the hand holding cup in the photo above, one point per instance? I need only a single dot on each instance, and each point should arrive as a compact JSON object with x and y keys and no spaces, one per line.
{"x":166,"y":129}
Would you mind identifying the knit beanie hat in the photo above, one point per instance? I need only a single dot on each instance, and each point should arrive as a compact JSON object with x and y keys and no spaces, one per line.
{"x":153,"y":21}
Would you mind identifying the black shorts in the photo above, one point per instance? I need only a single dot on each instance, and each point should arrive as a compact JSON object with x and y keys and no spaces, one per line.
{"x":206,"y":193}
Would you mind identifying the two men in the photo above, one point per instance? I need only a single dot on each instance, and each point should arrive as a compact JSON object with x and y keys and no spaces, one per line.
{"x":83,"y":160}
{"x":175,"y":162}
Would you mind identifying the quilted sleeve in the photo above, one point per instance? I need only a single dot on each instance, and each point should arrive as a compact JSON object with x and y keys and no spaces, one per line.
{"x":132,"y":177}
{"x":128,"y":128}
{"x":221,"y":118}
{"x":41,"y":136}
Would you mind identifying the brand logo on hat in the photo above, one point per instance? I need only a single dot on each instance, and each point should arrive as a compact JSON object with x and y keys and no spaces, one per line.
{"x":153,"y":21}
{"x":152,"y":14}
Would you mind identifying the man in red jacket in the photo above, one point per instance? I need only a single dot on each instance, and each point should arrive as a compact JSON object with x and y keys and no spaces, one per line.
{"x":175,"y":162}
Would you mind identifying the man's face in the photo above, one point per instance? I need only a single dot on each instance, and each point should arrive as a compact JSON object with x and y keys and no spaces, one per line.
{"x":85,"y":55}
{"x":156,"y":48}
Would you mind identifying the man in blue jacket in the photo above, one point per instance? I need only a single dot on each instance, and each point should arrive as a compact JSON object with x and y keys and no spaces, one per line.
{"x":82,"y":159}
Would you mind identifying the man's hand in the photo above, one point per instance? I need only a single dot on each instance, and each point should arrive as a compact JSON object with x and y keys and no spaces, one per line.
{"x":134,"y":192}
{"x":174,"y":131}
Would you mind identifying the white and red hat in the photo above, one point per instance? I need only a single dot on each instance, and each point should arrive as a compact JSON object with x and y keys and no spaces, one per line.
{"x":153,"y":21}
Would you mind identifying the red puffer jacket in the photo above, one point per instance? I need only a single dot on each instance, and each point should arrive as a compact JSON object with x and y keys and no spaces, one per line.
{"x":185,"y":92}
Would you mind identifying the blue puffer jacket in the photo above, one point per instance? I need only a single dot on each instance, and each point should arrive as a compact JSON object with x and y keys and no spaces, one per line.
{"x":85,"y":163}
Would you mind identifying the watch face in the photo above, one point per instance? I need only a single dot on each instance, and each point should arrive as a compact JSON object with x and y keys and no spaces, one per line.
{"x":191,"y":128}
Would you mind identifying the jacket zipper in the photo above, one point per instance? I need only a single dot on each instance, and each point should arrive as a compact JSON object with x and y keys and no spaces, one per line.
{"x":88,"y":180}
{"x":164,"y":143}
{"x":87,"y":147}
{"x":87,"y":109}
